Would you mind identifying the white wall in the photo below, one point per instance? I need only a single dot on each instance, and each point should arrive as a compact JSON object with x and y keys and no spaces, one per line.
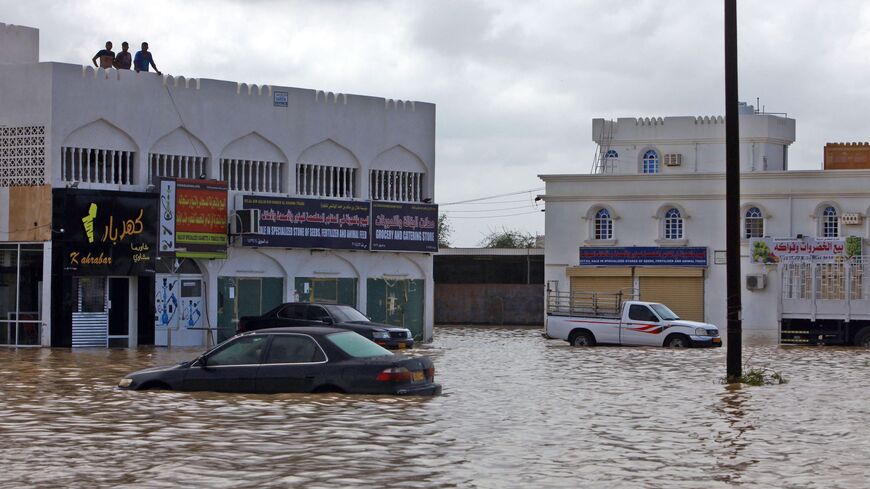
{"x":789,"y":200}
{"x":700,"y":141}
{"x":18,"y":44}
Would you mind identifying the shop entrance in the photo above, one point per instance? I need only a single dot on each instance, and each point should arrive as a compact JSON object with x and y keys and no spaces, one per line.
{"x":245,"y":296}
{"x":396,"y":302}
{"x":101,"y":313}
{"x":327,"y":290}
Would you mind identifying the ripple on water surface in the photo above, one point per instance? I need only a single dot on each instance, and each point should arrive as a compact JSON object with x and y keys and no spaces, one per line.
{"x":517,"y":411}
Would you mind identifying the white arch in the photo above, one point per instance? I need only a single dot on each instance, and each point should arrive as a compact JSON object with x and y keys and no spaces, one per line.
{"x":328,"y":152}
{"x":399,"y":158}
{"x":101,"y":134}
{"x":253,"y":146}
{"x":182,"y":142}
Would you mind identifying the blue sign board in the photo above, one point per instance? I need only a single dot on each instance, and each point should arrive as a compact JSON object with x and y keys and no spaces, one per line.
{"x":309,"y":223}
{"x":279,"y":99}
{"x":643,"y":256}
{"x":404,"y":227}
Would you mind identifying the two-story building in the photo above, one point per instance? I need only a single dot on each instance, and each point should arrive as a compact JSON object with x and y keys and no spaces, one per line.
{"x":96,"y":249}
{"x":650,"y":221}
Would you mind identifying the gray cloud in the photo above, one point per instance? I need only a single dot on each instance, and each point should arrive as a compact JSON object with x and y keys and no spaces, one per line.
{"x":516,"y":83}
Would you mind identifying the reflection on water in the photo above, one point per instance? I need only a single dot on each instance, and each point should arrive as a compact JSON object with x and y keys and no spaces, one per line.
{"x":518,"y":411}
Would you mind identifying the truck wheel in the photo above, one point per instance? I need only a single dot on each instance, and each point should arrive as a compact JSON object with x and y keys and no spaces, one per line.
{"x":678,"y":341}
{"x":583,"y":338}
{"x":863,"y":338}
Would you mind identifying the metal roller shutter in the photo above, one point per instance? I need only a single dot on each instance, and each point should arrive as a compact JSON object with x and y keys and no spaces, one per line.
{"x":684,"y":295}
{"x":607,"y":285}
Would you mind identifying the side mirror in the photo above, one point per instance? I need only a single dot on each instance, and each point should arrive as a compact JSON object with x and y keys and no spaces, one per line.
{"x":203,"y":361}
{"x":327,"y":320}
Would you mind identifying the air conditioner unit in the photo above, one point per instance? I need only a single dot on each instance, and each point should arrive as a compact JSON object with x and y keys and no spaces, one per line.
{"x":756,"y":282}
{"x":851,"y":218}
{"x":673,"y":159}
{"x":245,"y":221}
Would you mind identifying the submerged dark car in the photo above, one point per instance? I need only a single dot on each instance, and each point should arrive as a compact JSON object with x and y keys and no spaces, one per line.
{"x":300,"y":359}
{"x":292,"y":314}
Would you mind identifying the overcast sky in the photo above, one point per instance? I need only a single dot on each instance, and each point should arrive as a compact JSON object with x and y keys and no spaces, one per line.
{"x":516,"y":83}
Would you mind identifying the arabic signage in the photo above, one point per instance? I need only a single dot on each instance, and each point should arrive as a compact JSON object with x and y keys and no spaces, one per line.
{"x":404,"y":227}
{"x":776,"y":250}
{"x":104,"y":232}
{"x":193,"y":218}
{"x":644,"y":256}
{"x":309,"y":223}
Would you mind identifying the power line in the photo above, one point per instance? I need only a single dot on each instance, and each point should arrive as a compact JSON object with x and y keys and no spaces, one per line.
{"x":494,"y":196}
{"x":494,"y":210}
{"x":491,"y":217}
{"x":496,"y":202}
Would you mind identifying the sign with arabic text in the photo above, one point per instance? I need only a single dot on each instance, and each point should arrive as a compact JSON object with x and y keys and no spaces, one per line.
{"x":632,"y":256}
{"x":200,"y":218}
{"x":776,"y":250}
{"x":309,"y":223}
{"x":404,"y":227}
{"x":105,"y":232}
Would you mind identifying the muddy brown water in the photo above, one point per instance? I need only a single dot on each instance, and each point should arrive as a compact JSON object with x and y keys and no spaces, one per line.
{"x":517,"y":411}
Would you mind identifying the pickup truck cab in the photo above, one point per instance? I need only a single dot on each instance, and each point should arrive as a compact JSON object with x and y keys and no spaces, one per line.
{"x":638,"y":324}
{"x":293,"y":314}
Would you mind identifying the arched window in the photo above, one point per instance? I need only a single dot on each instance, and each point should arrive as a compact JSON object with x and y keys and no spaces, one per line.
{"x":753,"y":223}
{"x":611,"y":154}
{"x":673,"y":224}
{"x":650,"y":162}
{"x":830,"y":223}
{"x":603,"y":225}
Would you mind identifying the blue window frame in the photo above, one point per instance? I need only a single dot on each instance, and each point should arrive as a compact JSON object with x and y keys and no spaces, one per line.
{"x":611,"y":154}
{"x":673,"y":224}
{"x":650,"y":162}
{"x":753,"y":223}
{"x":830,"y":223}
{"x":603,"y":225}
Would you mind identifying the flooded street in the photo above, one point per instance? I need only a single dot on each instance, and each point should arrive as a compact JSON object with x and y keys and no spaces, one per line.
{"x":517,"y":411}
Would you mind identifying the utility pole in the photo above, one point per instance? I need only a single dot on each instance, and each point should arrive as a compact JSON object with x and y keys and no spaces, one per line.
{"x":732,"y":198}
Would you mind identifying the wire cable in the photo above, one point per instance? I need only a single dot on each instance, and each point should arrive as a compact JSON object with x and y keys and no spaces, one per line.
{"x":492,"y":210}
{"x":492,"y":217}
{"x":493,"y":196}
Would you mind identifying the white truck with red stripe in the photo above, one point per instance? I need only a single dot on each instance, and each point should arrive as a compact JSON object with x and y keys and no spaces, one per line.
{"x":607,"y":319}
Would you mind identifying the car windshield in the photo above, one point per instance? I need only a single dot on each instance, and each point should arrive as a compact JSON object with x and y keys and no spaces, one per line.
{"x":663,"y":312}
{"x":346,"y":314}
{"x":357,"y":346}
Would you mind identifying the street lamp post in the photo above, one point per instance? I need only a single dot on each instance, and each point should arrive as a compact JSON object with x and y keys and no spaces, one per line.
{"x":732,"y":197}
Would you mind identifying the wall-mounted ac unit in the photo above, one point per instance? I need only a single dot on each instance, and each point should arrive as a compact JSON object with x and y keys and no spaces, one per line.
{"x":851,"y":218}
{"x":756,"y":282}
{"x":245,"y":221}
{"x":673,"y":159}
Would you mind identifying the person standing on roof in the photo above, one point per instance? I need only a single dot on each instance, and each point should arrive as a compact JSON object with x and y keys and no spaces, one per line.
{"x":124,"y":59}
{"x":107,"y":56}
{"x":143,"y":59}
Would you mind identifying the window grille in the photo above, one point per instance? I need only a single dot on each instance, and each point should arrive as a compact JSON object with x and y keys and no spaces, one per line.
{"x":252,"y":175}
{"x":22,"y":156}
{"x":650,"y":162}
{"x":603,"y":225}
{"x":753,"y":223}
{"x":830,"y":223}
{"x":394,"y":185}
{"x":176,"y":166}
{"x":673,"y":224}
{"x":94,"y":165}
{"x":325,"y":180}
{"x":797,"y":281}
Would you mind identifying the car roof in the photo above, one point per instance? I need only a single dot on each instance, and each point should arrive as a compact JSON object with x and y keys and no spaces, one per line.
{"x":315,"y":330}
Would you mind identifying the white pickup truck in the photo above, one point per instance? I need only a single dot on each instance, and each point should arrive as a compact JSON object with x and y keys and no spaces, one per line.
{"x":630,"y":323}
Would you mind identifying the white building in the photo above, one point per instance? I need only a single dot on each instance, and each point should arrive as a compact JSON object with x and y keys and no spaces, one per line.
{"x":68,"y":129}
{"x":651,"y":218}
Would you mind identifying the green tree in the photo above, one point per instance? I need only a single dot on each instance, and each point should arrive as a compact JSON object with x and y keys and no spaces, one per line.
{"x":508,"y":238}
{"x":444,"y":231}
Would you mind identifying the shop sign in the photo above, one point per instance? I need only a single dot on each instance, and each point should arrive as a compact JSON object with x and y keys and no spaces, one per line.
{"x":806,"y":249}
{"x":309,"y":223}
{"x":105,"y":232}
{"x":404,"y":227}
{"x":644,"y":256}
{"x":193,"y":218}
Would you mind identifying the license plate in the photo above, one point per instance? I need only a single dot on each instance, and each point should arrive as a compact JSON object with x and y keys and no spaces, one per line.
{"x":400,"y":345}
{"x":417,"y":376}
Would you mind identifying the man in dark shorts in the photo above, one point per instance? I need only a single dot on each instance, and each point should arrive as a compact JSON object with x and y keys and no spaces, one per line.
{"x":143,"y":59}
{"x":124,"y":59}
{"x":107,"y":56}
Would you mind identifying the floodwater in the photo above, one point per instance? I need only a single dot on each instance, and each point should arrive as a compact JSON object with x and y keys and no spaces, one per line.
{"x":517,"y":411}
